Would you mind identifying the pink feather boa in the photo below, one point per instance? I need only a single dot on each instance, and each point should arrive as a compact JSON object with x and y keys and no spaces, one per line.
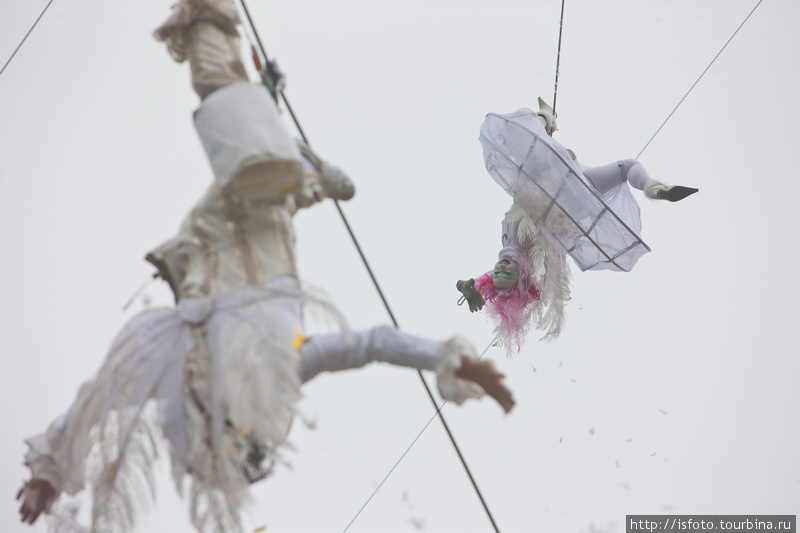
{"x":510,"y":310}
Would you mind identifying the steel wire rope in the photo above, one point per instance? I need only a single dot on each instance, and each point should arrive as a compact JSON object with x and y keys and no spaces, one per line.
{"x":373,"y":278}
{"x":408,"y":449}
{"x":26,"y":36}
{"x":558,"y":56}
{"x":700,"y":77}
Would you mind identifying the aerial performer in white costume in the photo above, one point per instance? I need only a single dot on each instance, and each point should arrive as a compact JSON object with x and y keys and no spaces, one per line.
{"x":560,"y":206}
{"x":215,"y":379}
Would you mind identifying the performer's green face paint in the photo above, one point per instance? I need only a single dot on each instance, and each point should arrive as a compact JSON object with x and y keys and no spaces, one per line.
{"x":506,"y":273}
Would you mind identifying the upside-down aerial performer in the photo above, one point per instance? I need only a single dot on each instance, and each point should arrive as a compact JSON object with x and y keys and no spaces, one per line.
{"x":560,"y":206}
{"x":215,"y":378}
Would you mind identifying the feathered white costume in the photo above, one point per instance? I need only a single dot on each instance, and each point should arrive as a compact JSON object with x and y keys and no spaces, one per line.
{"x":560,"y":207}
{"x":216,"y":377}
{"x":598,"y":229}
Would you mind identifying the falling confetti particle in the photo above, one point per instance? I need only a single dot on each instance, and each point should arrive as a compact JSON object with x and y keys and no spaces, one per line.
{"x":561,"y":363}
{"x":573,"y":380}
{"x":653,"y":454}
{"x":534,"y":369}
{"x":628,"y":440}
{"x":663,"y":412}
{"x":309,"y":422}
{"x":561,"y":439}
{"x":617,"y":464}
{"x":591,"y":431}
{"x":418,"y":523}
{"x":260,"y":529}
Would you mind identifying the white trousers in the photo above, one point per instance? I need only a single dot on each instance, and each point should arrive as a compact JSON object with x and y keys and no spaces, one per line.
{"x":606,"y":177}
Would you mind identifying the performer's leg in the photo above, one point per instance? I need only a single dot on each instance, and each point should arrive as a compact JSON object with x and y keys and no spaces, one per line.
{"x":214,"y":57}
{"x":204,"y":33}
{"x":639,"y":178}
{"x":606,"y":177}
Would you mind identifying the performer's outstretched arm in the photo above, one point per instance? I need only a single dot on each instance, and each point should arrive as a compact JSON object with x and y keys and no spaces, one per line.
{"x":455,"y":361}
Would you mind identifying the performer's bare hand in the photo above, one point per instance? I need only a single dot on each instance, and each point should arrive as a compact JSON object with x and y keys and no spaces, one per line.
{"x":36,"y":496}
{"x":489,"y":378}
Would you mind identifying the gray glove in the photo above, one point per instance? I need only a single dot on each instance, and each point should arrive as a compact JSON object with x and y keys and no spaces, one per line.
{"x":470,"y":294}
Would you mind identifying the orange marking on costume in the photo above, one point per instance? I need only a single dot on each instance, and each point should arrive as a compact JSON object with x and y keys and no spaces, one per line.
{"x":299,"y":339}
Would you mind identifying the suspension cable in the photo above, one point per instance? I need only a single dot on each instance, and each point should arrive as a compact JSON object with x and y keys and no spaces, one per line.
{"x":26,"y":36}
{"x":374,"y":280}
{"x":700,"y":77}
{"x":413,"y":442}
{"x":558,"y":56}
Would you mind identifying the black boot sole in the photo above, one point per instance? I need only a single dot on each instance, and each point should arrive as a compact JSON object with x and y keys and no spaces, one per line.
{"x":676,"y":193}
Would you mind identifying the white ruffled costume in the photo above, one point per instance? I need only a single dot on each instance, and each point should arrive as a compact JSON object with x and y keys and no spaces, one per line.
{"x":587,"y":212}
{"x":559,"y":207}
{"x":216,"y":377}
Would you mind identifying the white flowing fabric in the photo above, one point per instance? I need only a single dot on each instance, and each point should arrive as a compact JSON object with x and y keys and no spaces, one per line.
{"x":247,"y":144}
{"x":207,"y":376}
{"x":599,"y":232}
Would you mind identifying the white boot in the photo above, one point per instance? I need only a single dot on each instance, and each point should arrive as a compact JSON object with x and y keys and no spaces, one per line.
{"x":658,"y":191}
{"x":653,"y":189}
{"x":335,"y":183}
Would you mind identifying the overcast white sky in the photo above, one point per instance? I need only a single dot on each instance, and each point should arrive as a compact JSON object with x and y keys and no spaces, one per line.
{"x":686,"y":368}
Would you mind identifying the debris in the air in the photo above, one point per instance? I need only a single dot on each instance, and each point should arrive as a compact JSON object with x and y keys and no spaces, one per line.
{"x":418,"y":523}
{"x":310,"y":423}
